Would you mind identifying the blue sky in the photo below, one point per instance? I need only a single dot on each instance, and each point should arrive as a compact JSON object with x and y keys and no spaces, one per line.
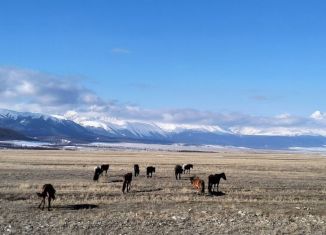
{"x":254,"y":57}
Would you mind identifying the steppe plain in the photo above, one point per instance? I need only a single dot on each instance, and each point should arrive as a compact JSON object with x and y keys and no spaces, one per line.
{"x":265,"y":193}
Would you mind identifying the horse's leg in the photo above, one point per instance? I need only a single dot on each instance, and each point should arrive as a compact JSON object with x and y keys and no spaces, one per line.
{"x":49,"y":203}
{"x":39,"y":206}
{"x":43,"y":203}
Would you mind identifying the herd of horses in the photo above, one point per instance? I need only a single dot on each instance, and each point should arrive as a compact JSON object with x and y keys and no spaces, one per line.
{"x":48,"y":190}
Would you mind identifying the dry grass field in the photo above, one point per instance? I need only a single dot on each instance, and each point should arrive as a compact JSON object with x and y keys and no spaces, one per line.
{"x":265,"y":193}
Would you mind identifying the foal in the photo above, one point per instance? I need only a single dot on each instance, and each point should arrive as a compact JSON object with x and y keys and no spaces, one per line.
{"x":49,"y":192}
{"x":198,"y":184}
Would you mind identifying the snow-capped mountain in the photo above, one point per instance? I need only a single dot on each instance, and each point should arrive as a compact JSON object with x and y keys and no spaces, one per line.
{"x":43,"y":127}
{"x":81,"y":129}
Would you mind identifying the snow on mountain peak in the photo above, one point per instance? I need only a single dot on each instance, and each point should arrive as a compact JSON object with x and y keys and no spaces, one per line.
{"x":169,"y":127}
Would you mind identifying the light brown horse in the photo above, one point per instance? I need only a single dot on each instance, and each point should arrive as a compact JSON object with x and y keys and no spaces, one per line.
{"x":198,"y":184}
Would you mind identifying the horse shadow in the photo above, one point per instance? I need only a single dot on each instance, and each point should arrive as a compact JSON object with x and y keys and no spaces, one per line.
{"x":148,"y":190}
{"x":77,"y":207}
{"x":216,"y":194}
{"x":115,"y":181}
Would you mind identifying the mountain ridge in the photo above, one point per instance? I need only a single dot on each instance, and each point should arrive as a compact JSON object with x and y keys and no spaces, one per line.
{"x":59,"y":129}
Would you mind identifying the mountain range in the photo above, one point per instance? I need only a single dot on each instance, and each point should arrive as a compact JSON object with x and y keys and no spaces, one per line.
{"x":57,"y":129}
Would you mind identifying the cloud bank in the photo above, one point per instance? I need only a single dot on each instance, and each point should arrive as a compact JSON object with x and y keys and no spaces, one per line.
{"x":34,"y":91}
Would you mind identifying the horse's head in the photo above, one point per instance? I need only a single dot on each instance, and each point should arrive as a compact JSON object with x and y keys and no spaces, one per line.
{"x":223,"y":176}
{"x":153,"y":169}
{"x":191,"y":166}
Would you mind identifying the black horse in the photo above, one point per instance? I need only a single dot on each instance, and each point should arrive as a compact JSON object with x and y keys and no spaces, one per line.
{"x":149,"y":171}
{"x":97,"y":172}
{"x":178,"y":171}
{"x":49,"y":192}
{"x":136,"y":170}
{"x":214,"y":180}
{"x":127,"y":182}
{"x":187,"y":168}
{"x":105,"y":168}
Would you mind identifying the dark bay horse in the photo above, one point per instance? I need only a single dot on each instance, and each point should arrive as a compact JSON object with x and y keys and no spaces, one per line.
{"x":149,"y":171}
{"x":214,"y":180}
{"x":105,"y":167}
{"x":178,"y":171}
{"x":187,"y":168}
{"x":127,"y":182}
{"x":198,"y":184}
{"x":136,"y":169}
{"x":49,"y":192}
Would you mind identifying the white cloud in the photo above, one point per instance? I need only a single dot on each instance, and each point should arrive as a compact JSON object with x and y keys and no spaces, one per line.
{"x":317,"y":115}
{"x":33,"y":91}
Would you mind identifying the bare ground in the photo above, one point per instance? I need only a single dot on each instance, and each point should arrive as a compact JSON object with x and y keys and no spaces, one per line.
{"x":265,"y":193}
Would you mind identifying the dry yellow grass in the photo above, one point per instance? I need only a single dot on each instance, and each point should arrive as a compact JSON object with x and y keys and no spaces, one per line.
{"x":265,"y":193}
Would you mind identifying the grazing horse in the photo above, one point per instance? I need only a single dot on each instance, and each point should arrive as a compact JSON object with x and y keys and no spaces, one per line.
{"x":49,"y":192}
{"x":214,"y":180}
{"x":149,"y":171}
{"x":187,"y":168}
{"x":127,"y":182}
{"x":198,"y":184}
{"x":136,"y":170}
{"x":178,"y":171}
{"x":105,"y":168}
{"x":97,"y":172}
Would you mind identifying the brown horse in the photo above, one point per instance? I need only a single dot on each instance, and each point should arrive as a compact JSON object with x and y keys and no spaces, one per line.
{"x":49,"y":192}
{"x":127,"y":182}
{"x":198,"y":184}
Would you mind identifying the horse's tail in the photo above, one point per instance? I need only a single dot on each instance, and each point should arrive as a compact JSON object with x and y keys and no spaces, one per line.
{"x":203,"y":186}
{"x":124,"y":186}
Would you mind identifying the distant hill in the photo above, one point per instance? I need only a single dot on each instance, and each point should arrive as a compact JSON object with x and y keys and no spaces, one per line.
{"x":7,"y":134}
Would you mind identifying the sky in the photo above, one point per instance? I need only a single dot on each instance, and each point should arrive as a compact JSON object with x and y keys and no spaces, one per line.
{"x":165,"y":60}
